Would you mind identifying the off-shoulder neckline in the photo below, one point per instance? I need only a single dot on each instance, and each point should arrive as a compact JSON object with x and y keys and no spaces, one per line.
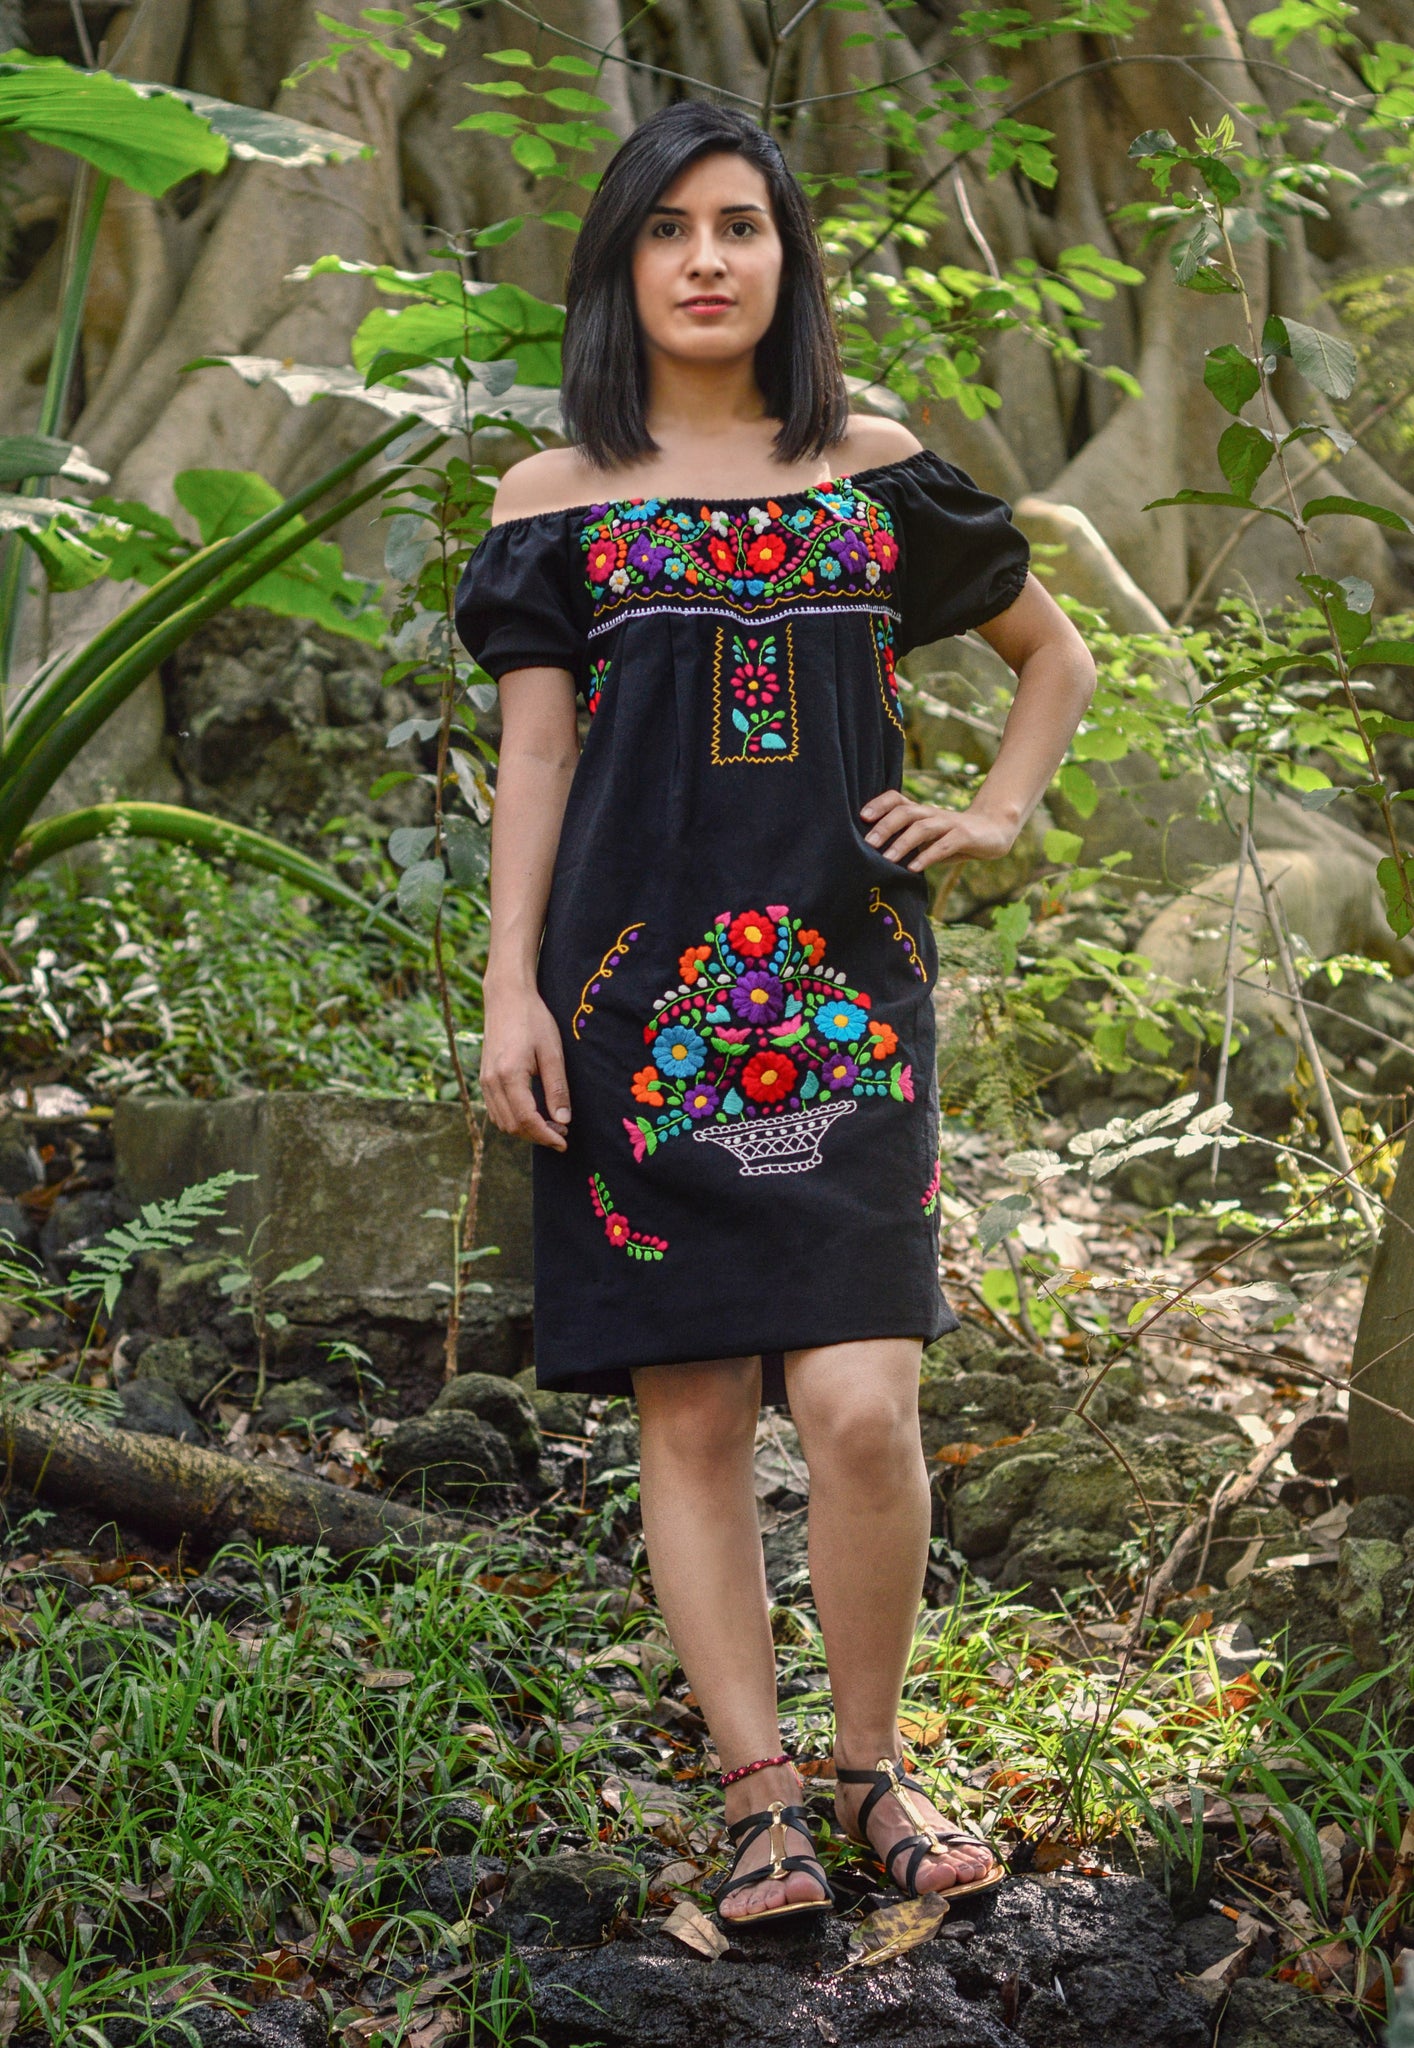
{"x":718,"y":503}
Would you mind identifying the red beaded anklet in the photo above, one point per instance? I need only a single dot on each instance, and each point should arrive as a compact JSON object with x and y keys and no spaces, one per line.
{"x":766,"y":1763}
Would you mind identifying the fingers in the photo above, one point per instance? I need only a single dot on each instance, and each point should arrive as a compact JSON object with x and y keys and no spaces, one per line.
{"x":510,"y":1098}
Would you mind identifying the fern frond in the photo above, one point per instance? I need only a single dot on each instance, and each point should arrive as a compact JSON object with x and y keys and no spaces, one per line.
{"x":159,"y":1227}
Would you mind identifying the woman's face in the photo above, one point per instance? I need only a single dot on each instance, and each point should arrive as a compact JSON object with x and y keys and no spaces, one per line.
{"x":707,"y":262}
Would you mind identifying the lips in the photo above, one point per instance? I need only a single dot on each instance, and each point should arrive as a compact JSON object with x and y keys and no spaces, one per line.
{"x":707,"y":305}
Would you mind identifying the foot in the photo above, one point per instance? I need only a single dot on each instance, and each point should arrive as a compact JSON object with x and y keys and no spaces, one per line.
{"x":891,"y":1821}
{"x":751,"y":1795}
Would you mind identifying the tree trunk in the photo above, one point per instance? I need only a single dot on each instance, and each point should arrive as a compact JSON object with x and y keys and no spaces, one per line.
{"x":1381,"y":1444}
{"x":176,"y":1490}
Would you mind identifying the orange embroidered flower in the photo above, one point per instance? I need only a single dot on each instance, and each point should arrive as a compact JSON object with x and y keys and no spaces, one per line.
{"x":689,"y":963}
{"x":753,"y":935}
{"x":767,"y":1076}
{"x":813,"y":946}
{"x":885,"y":1038}
{"x":648,"y":1086}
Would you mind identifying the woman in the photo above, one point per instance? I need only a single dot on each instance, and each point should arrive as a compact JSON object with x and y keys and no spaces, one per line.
{"x":710,"y":944}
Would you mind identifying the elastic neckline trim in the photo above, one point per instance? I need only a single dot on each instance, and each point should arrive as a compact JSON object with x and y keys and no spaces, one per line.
{"x":855,"y":477}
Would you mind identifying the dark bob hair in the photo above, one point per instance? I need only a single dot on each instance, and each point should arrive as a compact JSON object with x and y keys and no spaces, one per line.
{"x":605,"y":389}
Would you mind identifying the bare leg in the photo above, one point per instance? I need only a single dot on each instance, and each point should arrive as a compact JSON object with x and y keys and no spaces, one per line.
{"x":698,"y":1498}
{"x":856,"y":1407}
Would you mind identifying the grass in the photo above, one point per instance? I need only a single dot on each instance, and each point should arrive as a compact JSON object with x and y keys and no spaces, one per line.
{"x":261,"y":1793}
{"x":162,"y":972}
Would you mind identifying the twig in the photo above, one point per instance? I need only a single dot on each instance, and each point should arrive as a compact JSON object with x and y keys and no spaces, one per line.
{"x":1335,"y":1131}
{"x":1229,"y":989}
{"x":1223,"y":1484}
{"x":1243,"y":1488}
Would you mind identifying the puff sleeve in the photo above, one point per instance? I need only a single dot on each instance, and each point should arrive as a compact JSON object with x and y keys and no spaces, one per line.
{"x":961,"y":561}
{"x":519,"y":602}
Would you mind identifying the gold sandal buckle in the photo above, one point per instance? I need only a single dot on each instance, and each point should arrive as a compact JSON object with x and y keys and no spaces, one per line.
{"x":777,"y":1839}
{"x":892,"y":1768}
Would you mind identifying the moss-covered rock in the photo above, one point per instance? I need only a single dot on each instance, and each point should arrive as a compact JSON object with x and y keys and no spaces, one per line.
{"x":998,"y":1491}
{"x":1366,"y":1590}
{"x":979,"y":1408}
{"x":448,"y":1457}
{"x":502,"y":1403}
{"x":190,"y":1366}
{"x":558,"y":1412}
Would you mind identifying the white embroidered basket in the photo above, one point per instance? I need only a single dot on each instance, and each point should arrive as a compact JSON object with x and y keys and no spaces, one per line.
{"x":777,"y":1144}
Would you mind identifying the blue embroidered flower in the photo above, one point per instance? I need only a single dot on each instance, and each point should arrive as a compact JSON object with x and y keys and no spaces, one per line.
{"x":678,"y":1051}
{"x":841,"y":1021}
{"x":673,"y":568}
{"x":837,"y":502}
{"x":829,"y":568}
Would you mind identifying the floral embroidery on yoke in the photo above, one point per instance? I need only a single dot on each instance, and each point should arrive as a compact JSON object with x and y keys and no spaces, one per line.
{"x":761,"y":1047}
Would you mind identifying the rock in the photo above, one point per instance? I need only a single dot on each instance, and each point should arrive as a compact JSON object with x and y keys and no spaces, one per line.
{"x":189,"y":1366}
{"x":179,"y":1297}
{"x":614,"y":1447}
{"x":1264,"y":2014}
{"x":982,"y":1407}
{"x":151,"y":1408}
{"x":444,"y":1885}
{"x":504,"y":1405}
{"x":558,"y":1412}
{"x":1320,"y":1449}
{"x":450,"y":1457}
{"x":75,"y":1224}
{"x":785,"y":1544}
{"x":455,"y":1826}
{"x":1079,"y":1962}
{"x":973,"y":1348}
{"x":288,"y":1402}
{"x":21,"y":1167}
{"x":16,"y":1222}
{"x":209,"y":2025}
{"x":289,"y":2023}
{"x":1370,"y":1567}
{"x":999,"y":1489}
{"x":1388,"y":1515}
{"x":1292,"y":1607}
{"x":566,"y":1901}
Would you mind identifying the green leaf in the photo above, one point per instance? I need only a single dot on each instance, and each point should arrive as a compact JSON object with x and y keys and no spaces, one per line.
{"x":1011,"y":922}
{"x":1275,"y":340}
{"x":1220,"y":178}
{"x":1078,"y":789}
{"x":1218,"y":498}
{"x":571,"y":100}
{"x":300,"y":1272}
{"x":1244,"y":452}
{"x":1213,"y":278}
{"x":999,"y":1291}
{"x":499,"y":231}
{"x":1324,"y":360}
{"x":468,"y":851}
{"x":997,"y":1223}
{"x":1062,"y":847}
{"x":1193,"y":248}
{"x":149,"y":144}
{"x":1354,"y":508}
{"x":258,"y":136}
{"x":1388,"y":653}
{"x":409,"y":843}
{"x":420,"y":890}
{"x":308,"y":585}
{"x":534,"y":154}
{"x":1153,"y":142}
{"x":1397,"y":883}
{"x":28,"y":455}
{"x":485,"y":326}
{"x":1231,"y":376}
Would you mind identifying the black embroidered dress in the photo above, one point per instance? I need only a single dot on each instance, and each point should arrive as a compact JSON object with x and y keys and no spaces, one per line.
{"x":742,"y":984}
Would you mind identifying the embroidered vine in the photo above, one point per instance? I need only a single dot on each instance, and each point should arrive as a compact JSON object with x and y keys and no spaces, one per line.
{"x":930,"y":1193}
{"x":883,"y":632}
{"x":598,"y":676}
{"x":753,"y":692}
{"x":615,"y":957}
{"x":836,"y":542}
{"x":894,"y":924}
{"x":639,"y":1244}
{"x":760,"y":1046}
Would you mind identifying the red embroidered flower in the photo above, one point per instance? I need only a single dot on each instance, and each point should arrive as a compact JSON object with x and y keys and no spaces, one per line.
{"x":648,"y":1086}
{"x":885,"y":549}
{"x":616,"y":1228}
{"x":813,"y":946}
{"x":885,"y":1038}
{"x":767,"y":1076}
{"x":723,"y":557}
{"x":766,"y":554}
{"x":689,"y":963}
{"x":752,"y":935}
{"x":603,"y":560}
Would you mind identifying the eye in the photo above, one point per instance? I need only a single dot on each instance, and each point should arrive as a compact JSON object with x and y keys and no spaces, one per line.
{"x":741,"y":229}
{"x":664,"y":228}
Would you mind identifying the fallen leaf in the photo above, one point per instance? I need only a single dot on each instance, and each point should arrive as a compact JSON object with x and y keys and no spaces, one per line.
{"x":334,"y":1856}
{"x":894,"y":1930}
{"x":688,"y":1924}
{"x":923,"y":1726}
{"x":673,"y":1876}
{"x":384,"y":1681}
{"x":1212,"y":1983}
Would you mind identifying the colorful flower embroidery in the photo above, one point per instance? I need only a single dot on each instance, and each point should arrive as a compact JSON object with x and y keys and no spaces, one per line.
{"x":615,"y":957}
{"x":894,"y":923}
{"x":836,"y":545}
{"x":750,"y":696}
{"x":639,"y":1244}
{"x":598,"y":676}
{"x":930,"y":1193}
{"x":883,"y":631}
{"x":761,"y":1047}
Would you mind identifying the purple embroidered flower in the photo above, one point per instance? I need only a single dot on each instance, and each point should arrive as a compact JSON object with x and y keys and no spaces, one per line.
{"x":839,"y":1071}
{"x":644,"y":555}
{"x":758,"y":997}
{"x":700,"y":1100}
{"x":851,"y":552}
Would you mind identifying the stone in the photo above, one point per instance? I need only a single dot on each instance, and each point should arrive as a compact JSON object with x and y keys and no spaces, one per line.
{"x":1261,"y":2013}
{"x":1320,"y":1449}
{"x":290,"y":1402}
{"x":1388,"y":1515}
{"x":1370,"y":1567}
{"x":150,"y":1408}
{"x":983,"y":1407}
{"x":188,"y":1366}
{"x":445,"y":1886}
{"x":997,"y":1491}
{"x":289,"y":2023}
{"x":21,"y":1167}
{"x":558,"y":1411}
{"x":973,"y":1348}
{"x":449,"y":1457}
{"x":785,"y":1545}
{"x":566,"y":1901}
{"x":1079,"y":1963}
{"x":615,"y":1445}
{"x":503,"y":1404}
{"x":75,"y":1224}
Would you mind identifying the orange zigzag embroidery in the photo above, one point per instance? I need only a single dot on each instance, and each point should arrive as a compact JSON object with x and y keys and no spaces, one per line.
{"x":638,"y":1244}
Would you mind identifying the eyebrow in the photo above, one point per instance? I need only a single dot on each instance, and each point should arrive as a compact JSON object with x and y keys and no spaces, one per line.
{"x":738,"y":206}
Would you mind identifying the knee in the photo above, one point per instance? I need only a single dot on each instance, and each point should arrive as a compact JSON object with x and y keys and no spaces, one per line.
{"x":869,"y":1440}
{"x":700,"y":1418}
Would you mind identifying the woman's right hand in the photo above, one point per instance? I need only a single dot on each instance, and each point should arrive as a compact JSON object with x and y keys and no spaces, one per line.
{"x":521,"y":1039}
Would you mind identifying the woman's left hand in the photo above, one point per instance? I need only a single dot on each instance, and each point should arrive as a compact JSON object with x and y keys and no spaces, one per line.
{"x":917,"y":834}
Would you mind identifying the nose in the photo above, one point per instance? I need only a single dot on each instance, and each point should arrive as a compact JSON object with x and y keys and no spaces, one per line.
{"x":704,"y":256}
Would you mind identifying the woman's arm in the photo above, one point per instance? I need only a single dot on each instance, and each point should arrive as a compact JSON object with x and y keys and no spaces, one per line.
{"x":538,"y":754}
{"x":1055,"y":682}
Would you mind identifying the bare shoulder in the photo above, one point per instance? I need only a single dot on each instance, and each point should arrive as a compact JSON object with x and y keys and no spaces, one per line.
{"x":871,"y":441}
{"x":551,"y":481}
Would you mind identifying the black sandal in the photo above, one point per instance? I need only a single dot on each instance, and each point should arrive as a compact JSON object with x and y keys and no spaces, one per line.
{"x":776,"y":1817}
{"x":892,"y":1778}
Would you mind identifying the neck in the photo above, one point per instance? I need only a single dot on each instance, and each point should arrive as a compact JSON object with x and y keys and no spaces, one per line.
{"x":693,"y":400}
